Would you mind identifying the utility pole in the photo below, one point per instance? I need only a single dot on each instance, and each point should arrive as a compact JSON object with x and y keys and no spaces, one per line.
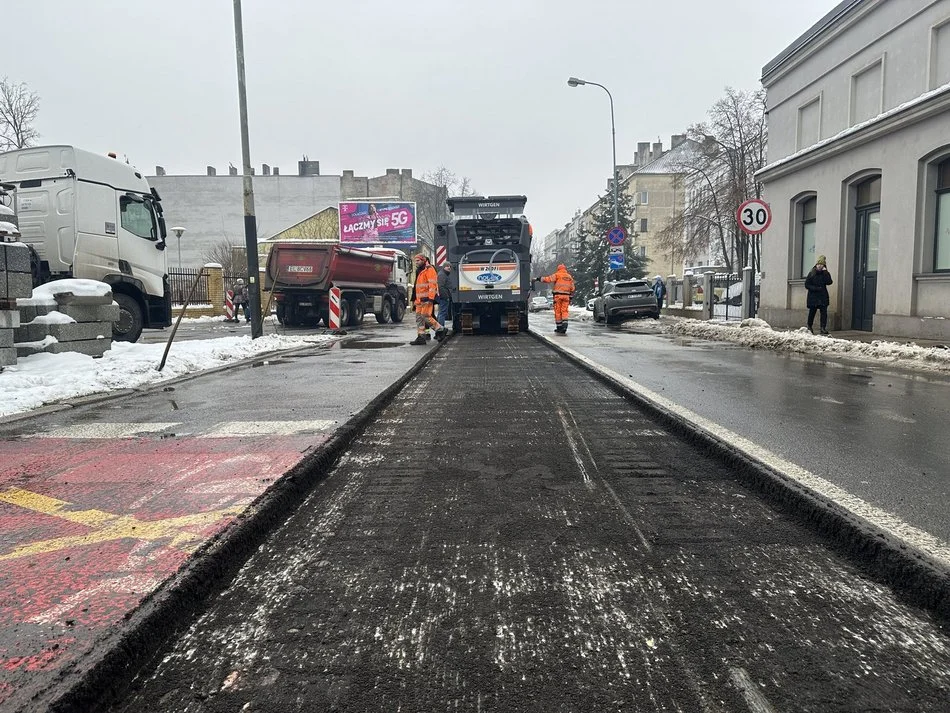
{"x":250,"y":221}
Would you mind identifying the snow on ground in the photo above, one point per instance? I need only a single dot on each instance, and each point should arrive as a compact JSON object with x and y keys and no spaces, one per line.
{"x":45,"y":378}
{"x":757,"y":334}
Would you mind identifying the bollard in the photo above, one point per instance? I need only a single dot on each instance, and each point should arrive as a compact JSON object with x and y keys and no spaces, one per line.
{"x":229,"y":306}
{"x":708,"y":295}
{"x":334,"y":308}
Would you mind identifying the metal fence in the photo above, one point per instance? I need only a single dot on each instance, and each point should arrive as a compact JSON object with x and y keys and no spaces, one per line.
{"x":727,"y":297}
{"x":181,"y":279}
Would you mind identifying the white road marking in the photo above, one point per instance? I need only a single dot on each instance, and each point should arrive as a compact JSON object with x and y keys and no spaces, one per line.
{"x":750,"y":692}
{"x":574,"y":450}
{"x":104,"y":430}
{"x":266,"y":428}
{"x":889,"y":523}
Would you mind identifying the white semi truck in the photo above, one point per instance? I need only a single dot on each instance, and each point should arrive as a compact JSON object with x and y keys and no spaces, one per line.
{"x":94,"y":217}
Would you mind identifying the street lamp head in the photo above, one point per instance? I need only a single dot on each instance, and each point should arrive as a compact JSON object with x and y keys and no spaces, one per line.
{"x":178,"y":230}
{"x":574,"y":81}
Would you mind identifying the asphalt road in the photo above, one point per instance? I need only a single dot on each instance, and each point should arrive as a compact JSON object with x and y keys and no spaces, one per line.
{"x":511,"y":535}
{"x":877,"y":431}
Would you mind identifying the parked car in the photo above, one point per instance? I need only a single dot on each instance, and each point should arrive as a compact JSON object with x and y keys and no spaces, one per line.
{"x":732,"y":295}
{"x":590,"y":304}
{"x":625,"y":300}
{"x":540,"y":302}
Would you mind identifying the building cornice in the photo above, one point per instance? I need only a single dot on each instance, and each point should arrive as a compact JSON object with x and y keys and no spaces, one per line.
{"x":844,"y":15}
{"x":913,"y":112}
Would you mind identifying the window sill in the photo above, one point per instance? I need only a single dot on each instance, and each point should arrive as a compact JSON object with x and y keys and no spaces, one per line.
{"x":932,"y":277}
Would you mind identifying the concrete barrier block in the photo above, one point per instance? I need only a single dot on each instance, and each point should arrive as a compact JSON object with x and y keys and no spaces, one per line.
{"x":14,"y":258}
{"x":91,"y":313}
{"x":68,"y":298}
{"x":89,"y":347}
{"x":9,"y":318}
{"x":16,"y":285}
{"x":29,"y":312}
{"x":31,"y":332}
{"x":6,"y":338}
{"x":8,"y":356}
{"x":79,"y":331}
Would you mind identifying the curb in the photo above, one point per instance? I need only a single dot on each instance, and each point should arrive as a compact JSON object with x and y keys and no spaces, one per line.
{"x":915,"y":575}
{"x":101,"y":678}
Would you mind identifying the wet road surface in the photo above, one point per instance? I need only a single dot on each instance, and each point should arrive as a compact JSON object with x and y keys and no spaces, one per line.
{"x":511,"y":535}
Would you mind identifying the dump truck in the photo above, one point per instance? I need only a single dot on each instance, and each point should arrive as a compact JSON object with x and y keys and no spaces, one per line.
{"x":488,"y":243}
{"x":93,"y":217}
{"x":300,"y":275}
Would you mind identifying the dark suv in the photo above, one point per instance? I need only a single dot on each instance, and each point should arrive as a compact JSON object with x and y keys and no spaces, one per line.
{"x":629,"y":299}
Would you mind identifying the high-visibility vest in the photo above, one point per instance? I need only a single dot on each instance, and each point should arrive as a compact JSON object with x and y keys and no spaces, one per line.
{"x":427,"y":284}
{"x":563,"y":282}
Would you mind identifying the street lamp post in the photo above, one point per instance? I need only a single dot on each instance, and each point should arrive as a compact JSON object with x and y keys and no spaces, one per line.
{"x":574,"y":82}
{"x":178,"y":230}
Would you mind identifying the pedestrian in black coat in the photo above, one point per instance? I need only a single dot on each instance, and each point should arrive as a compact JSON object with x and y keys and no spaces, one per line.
{"x":817,"y":283}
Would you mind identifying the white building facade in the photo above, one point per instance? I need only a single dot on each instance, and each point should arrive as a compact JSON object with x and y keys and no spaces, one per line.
{"x":859,"y":169}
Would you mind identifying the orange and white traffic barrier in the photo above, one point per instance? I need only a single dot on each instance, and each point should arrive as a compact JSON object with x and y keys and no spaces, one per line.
{"x":334,"y":308}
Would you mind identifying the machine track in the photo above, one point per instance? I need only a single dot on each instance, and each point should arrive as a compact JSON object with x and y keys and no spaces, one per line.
{"x":511,"y":535}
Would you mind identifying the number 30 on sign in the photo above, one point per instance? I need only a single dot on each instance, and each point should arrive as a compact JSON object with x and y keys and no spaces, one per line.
{"x":754,"y":216}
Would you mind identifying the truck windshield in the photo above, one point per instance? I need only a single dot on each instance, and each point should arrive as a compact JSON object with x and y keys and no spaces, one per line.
{"x":138,"y":218}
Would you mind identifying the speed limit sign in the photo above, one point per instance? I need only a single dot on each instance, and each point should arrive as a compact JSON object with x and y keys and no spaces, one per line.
{"x":754,"y":216}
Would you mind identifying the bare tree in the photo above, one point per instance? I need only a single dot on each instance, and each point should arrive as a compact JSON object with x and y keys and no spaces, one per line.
{"x":728,"y":149}
{"x":430,"y":199}
{"x":222,"y":253}
{"x":18,"y":109}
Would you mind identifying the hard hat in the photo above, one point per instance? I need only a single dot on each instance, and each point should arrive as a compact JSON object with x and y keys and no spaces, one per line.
{"x":562,"y":266}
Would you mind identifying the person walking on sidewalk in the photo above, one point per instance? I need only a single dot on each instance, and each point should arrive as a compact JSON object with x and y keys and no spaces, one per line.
{"x":426,"y":291}
{"x":240,"y":301}
{"x":445,"y":297}
{"x":563,"y":289}
{"x":817,"y":283}
{"x":659,"y":289}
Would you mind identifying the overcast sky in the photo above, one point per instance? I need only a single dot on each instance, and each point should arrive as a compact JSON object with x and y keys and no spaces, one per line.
{"x":369,"y":85}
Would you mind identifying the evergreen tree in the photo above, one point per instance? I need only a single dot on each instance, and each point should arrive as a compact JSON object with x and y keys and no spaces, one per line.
{"x":593,"y":255}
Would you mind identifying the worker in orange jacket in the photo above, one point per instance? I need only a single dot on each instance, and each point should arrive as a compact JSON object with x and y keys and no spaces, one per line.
{"x":563,"y":289}
{"x":426,"y":290}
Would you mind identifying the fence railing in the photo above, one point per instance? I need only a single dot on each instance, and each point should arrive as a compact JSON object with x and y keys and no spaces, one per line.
{"x":181,"y":279}
{"x":726,"y":295}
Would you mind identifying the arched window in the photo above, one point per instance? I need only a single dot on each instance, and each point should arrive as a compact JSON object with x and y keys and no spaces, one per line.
{"x":809,"y":217}
{"x":942,"y":234}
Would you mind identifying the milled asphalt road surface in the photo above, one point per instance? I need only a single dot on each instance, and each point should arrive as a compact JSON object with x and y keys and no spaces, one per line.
{"x":511,"y":535}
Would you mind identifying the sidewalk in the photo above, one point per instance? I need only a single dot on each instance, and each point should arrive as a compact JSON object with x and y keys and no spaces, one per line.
{"x":117,"y":516}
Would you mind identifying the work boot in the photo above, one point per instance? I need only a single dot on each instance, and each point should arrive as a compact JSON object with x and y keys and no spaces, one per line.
{"x":428,"y":336}
{"x":419,"y":341}
{"x":440,"y":334}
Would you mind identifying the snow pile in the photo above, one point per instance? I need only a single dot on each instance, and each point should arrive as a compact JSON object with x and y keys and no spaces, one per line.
{"x":45,"y":378}
{"x":80,"y":288}
{"x":757,"y":334}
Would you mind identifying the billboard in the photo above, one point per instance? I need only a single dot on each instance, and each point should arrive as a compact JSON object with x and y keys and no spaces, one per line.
{"x":377,"y":223}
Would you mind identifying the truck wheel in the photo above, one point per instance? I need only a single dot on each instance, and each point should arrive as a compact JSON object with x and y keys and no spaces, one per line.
{"x":280,"y":314}
{"x":399,"y":310}
{"x":523,"y":322}
{"x":386,"y":315}
{"x":128,"y":327}
{"x":357,"y":312}
{"x":344,"y":313}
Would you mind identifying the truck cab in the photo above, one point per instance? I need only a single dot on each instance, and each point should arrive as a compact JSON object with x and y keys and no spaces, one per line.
{"x":93,"y":217}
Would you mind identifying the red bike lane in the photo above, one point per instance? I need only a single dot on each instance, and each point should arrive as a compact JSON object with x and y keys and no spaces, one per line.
{"x":90,"y":527}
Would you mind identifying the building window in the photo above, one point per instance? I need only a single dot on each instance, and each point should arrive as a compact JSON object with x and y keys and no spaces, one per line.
{"x":867,"y":93}
{"x":643,"y":225}
{"x":809,"y":124}
{"x":809,"y":213}
{"x":942,"y":236}
{"x":644,"y":197}
{"x":940,"y":55}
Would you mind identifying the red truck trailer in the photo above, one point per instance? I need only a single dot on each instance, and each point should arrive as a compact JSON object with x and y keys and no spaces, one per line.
{"x":300,"y":275}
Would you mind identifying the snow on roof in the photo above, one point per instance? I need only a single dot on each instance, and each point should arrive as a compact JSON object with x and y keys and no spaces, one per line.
{"x":673,"y":161}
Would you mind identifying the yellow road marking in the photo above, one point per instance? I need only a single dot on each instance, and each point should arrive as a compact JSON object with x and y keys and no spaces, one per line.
{"x":108,"y":526}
